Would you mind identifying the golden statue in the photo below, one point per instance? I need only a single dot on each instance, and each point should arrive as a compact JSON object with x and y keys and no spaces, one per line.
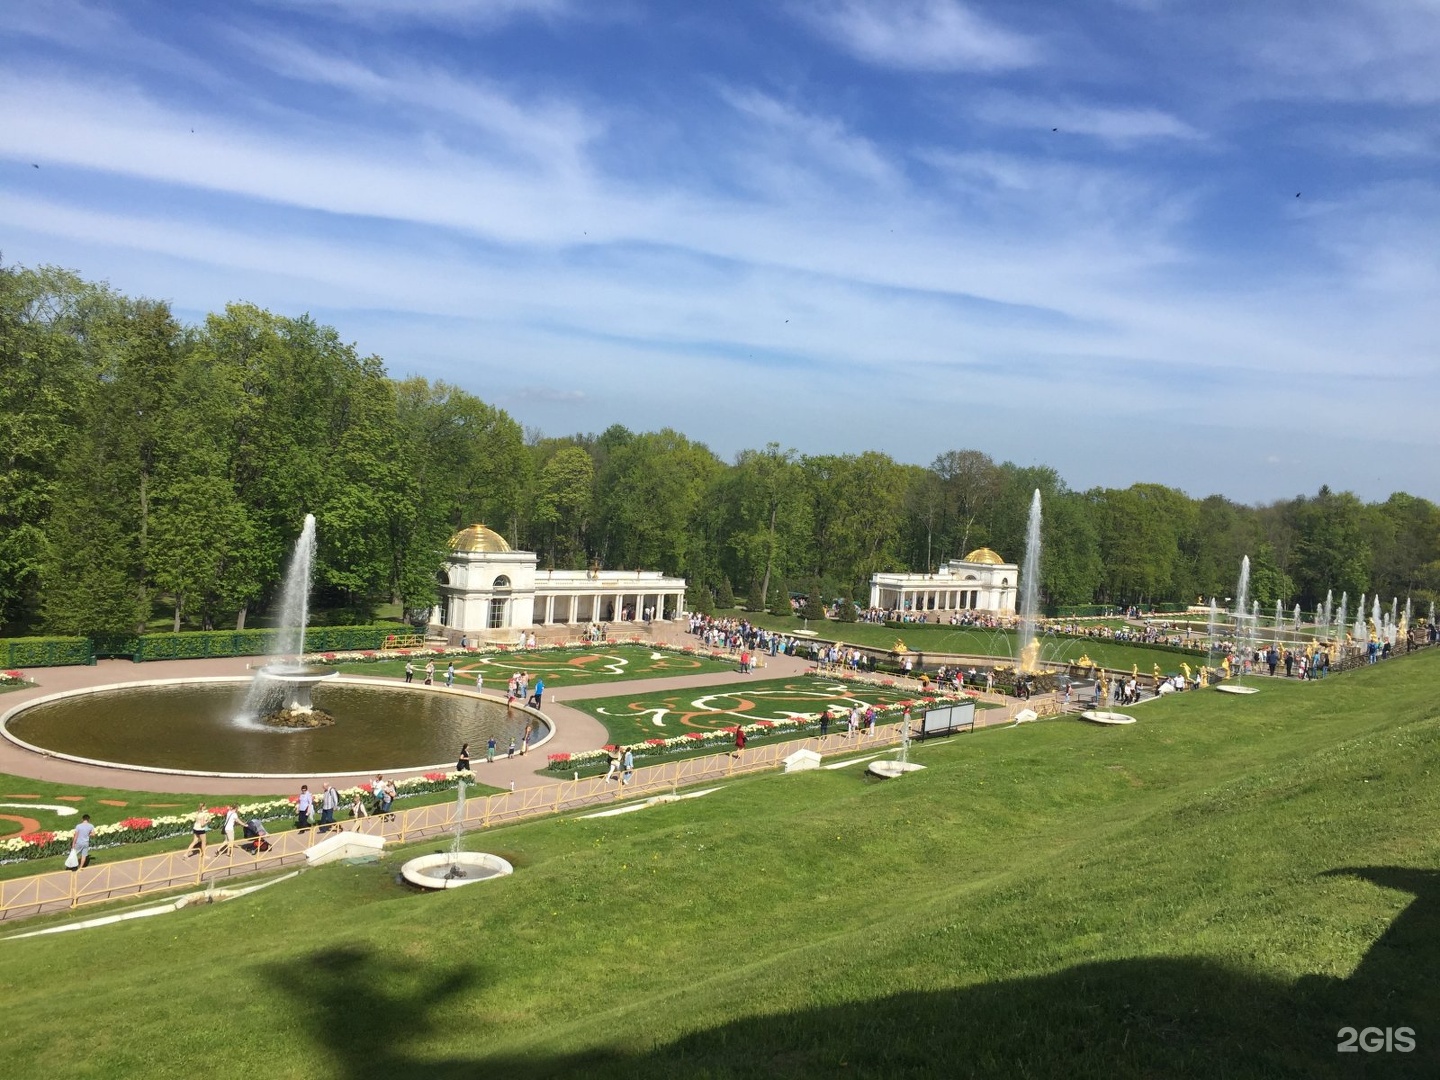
{"x":1155,"y":673}
{"x":1186,"y":669}
{"x":1029,"y":657}
{"x":1134,"y":671}
{"x":899,"y":649}
{"x":1225,"y":666}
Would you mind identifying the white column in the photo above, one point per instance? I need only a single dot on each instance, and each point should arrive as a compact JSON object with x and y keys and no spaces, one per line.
{"x":550,"y":609}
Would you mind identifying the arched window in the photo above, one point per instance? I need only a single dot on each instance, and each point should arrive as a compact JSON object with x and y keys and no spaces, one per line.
{"x":442,"y":577}
{"x":502,"y":582}
{"x":1004,"y":581}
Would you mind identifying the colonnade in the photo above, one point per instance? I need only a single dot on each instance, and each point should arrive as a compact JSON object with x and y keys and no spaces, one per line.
{"x":621,"y":605}
{"x":931,"y":599}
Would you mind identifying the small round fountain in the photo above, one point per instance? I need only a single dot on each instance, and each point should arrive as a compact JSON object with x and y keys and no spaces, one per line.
{"x":453,"y":868}
{"x":284,"y":690}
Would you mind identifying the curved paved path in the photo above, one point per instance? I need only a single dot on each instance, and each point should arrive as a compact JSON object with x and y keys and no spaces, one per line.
{"x":575,"y":731}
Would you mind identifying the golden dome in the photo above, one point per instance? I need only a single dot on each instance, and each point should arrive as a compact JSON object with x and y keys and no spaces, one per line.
{"x":478,"y":538}
{"x":984,"y":555}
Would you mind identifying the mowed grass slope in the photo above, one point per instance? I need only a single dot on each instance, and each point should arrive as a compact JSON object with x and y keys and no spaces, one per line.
{"x":1214,"y":891}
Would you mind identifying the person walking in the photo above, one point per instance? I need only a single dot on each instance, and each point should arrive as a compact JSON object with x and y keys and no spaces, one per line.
{"x":462,"y":763}
{"x":614,"y":755}
{"x":357,"y":805}
{"x":824,"y":722}
{"x":479,"y":679}
{"x":539,"y":695}
{"x":450,"y":674}
{"x":430,"y":673}
{"x":628,"y":767}
{"x":329,"y":803}
{"x":490,"y":749}
{"x":198,"y":829}
{"x":525,"y":739}
{"x":303,"y":805}
{"x":80,"y":842}
{"x":739,"y":740}
{"x":232,"y":821}
{"x":409,"y":671}
{"x":511,"y":752}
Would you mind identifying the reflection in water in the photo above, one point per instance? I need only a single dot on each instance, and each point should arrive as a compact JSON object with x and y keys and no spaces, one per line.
{"x":197,"y":727}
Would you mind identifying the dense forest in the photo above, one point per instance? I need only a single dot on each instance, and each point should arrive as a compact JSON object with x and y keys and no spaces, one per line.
{"x":150,"y":468}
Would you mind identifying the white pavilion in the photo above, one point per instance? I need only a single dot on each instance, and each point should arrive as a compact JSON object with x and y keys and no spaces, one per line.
{"x":490,"y":591}
{"x":981,"y":581}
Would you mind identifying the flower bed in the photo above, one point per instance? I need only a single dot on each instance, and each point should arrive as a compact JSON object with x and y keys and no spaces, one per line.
{"x":366,"y":656}
{"x":137,"y":830}
{"x":786,"y":726}
{"x":13,"y":678}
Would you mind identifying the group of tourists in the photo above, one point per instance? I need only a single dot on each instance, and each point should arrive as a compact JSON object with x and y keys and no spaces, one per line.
{"x":737,"y":634}
{"x":253,"y":831}
{"x":518,"y":689}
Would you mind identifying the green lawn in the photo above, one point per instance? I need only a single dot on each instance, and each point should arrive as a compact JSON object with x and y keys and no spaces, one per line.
{"x":965,"y":641}
{"x":559,"y":667}
{"x":1214,"y":891}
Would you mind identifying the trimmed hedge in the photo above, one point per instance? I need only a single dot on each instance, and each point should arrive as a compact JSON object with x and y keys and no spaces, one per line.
{"x":187,"y":645}
{"x":45,"y":652}
{"x":198,"y":644}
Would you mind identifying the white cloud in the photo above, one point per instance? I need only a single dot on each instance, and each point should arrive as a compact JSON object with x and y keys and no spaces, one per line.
{"x":923,"y":35}
{"x":788,"y":138}
{"x":484,"y":13}
{"x":552,"y":132}
{"x":1118,"y":125}
{"x":1381,"y":51}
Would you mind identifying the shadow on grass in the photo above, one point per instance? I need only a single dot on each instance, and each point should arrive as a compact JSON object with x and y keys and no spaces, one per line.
{"x":1130,"y":1018}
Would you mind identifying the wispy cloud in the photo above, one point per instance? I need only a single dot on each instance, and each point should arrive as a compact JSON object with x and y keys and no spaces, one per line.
{"x":1118,"y":125}
{"x":788,"y":138}
{"x":924,"y":35}
{"x":481,"y":13}
{"x":553,"y":132}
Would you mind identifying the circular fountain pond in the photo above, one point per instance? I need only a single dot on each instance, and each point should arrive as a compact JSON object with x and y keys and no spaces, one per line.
{"x":198,"y":726}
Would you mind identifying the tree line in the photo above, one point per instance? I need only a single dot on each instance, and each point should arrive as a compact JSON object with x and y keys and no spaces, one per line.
{"x":150,"y":468}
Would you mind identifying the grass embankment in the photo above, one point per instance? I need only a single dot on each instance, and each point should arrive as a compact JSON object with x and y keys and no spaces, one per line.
{"x":1214,"y":891}
{"x":559,"y":667}
{"x":109,"y":805}
{"x":970,"y":641}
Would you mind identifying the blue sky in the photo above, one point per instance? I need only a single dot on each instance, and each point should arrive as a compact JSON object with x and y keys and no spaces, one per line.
{"x":1060,"y":233}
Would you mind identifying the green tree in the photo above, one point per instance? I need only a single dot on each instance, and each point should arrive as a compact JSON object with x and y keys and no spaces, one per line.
{"x":47,"y":371}
{"x":565,"y":490}
{"x":724,"y":596}
{"x":1332,"y":550}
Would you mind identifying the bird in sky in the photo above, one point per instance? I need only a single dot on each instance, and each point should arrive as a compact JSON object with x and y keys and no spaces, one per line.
{"x":33,"y":165}
{"x":1297,"y":194}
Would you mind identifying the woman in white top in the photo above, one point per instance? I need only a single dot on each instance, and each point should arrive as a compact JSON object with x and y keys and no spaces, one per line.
{"x":198,"y":831}
{"x":232,"y":818}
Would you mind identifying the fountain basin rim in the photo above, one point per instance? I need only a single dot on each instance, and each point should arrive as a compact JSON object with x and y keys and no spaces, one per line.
{"x":548,"y":725}
{"x":410,"y":870}
{"x":297,"y":674}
